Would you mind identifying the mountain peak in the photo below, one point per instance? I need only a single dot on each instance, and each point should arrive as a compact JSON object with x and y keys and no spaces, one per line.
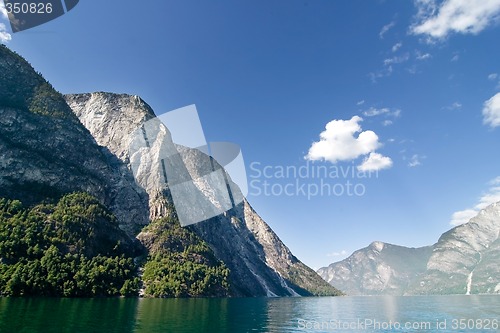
{"x":25,"y":89}
{"x":377,"y":246}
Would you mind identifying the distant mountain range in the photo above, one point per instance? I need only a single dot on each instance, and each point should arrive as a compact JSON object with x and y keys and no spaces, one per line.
{"x":465,"y":260}
{"x":52,"y":145}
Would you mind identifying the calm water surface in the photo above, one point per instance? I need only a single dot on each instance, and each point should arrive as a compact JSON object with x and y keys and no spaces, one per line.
{"x":326,"y":314}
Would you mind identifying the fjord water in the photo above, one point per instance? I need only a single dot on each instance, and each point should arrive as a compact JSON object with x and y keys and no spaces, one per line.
{"x":319,"y":314}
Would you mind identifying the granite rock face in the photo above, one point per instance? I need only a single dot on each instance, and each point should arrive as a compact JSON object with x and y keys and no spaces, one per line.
{"x":260,"y":264}
{"x":465,"y":260}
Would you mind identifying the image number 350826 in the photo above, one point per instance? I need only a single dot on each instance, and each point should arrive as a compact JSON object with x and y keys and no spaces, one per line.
{"x":24,"y":15}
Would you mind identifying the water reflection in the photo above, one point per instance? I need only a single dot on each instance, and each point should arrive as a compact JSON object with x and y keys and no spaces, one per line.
{"x":236,"y":315}
{"x":182,"y":315}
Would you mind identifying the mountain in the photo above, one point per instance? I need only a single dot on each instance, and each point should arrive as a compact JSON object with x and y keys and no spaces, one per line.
{"x":259,"y":262}
{"x":465,"y":260}
{"x":46,"y":152}
{"x":379,"y":269}
{"x":53,"y":145}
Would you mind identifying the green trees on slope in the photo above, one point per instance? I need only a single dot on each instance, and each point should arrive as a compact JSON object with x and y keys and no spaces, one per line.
{"x":180,"y":263}
{"x":73,"y":248}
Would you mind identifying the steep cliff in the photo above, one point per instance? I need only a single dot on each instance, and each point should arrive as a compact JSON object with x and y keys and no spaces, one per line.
{"x":259,"y":262}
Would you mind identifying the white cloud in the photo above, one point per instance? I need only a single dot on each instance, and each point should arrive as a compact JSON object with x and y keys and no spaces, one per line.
{"x":387,"y":122}
{"x":386,"y":28}
{"x":4,"y":35}
{"x":361,"y":102}
{"x":375,"y":162}
{"x":372,"y":112}
{"x":437,"y":21}
{"x":339,"y":143}
{"x":491,"y":197}
{"x":396,"y":46}
{"x":462,"y":216}
{"x":493,"y":76}
{"x":374,"y":76}
{"x":455,"y":57}
{"x":3,"y":11}
{"x":423,"y":56}
{"x":415,"y":160}
{"x":491,"y":111}
{"x":397,"y":59}
{"x":388,"y":66}
{"x":488,"y":198}
{"x":454,"y":106}
{"x":495,"y":181}
{"x":337,"y":254}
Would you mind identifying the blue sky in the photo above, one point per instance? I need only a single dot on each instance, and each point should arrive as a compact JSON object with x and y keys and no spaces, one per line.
{"x":406,"y":90}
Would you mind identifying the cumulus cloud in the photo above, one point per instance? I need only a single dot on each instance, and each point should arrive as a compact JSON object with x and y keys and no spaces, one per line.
{"x":495,"y":181}
{"x":488,"y":198}
{"x":385,"y":29}
{"x":344,"y":140}
{"x":339,"y":143}
{"x":375,"y":162}
{"x":491,"y":111}
{"x":438,"y":19}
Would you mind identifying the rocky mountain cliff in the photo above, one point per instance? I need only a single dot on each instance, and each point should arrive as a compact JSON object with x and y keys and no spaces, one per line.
{"x":49,"y":148}
{"x":259,"y":262}
{"x":379,"y":269}
{"x":46,"y":151}
{"x":465,"y":260}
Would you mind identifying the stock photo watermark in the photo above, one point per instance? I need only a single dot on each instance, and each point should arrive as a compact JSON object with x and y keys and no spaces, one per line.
{"x":308,"y":180}
{"x":365,"y":324}
{"x":162,"y":149}
{"x":24,"y":15}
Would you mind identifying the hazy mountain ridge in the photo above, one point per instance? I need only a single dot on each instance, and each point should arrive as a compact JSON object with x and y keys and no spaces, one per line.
{"x":379,"y":269}
{"x":465,"y":260}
